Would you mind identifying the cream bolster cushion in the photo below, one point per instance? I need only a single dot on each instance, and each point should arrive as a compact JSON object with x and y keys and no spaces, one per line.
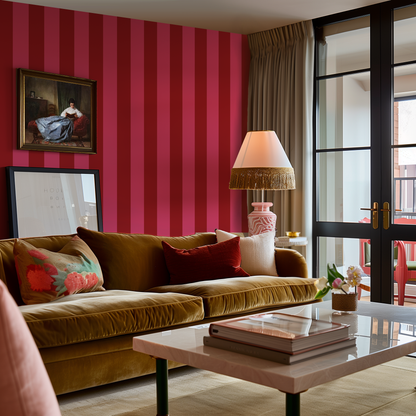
{"x":257,"y":252}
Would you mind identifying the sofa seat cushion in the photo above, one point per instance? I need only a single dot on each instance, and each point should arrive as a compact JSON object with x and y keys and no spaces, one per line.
{"x":243,"y":294}
{"x":98,"y":315}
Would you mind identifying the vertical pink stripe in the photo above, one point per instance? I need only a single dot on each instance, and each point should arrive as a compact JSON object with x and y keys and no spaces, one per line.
{"x":51,"y":64}
{"x":188,"y":140}
{"x":137,"y":126}
{"x":81,"y":66}
{"x":236,"y":134}
{"x":163,"y":129}
{"x":20,"y":60}
{"x":212,"y":131}
{"x":109,"y":149}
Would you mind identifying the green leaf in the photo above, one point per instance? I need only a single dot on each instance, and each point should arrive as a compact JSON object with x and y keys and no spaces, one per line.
{"x":322,"y":293}
{"x":60,"y":281}
{"x":86,"y":266}
{"x":333,"y":274}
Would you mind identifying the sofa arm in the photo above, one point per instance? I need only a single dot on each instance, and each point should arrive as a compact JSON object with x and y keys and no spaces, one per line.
{"x":290,"y":263}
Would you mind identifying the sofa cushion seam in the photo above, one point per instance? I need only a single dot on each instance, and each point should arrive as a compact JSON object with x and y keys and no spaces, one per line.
{"x":115,"y":310}
{"x":116,"y":334}
{"x":251,"y":290}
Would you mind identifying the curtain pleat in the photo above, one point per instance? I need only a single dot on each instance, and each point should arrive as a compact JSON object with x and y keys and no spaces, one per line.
{"x":281,"y":99}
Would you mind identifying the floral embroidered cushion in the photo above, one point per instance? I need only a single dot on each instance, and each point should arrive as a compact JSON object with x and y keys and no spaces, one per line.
{"x":214,"y":261}
{"x":45,"y":275}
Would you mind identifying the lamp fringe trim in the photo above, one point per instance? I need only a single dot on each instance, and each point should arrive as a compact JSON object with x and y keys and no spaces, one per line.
{"x":262,"y":178}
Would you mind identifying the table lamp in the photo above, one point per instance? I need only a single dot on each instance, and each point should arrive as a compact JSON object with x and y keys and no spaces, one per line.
{"x":262,"y":164}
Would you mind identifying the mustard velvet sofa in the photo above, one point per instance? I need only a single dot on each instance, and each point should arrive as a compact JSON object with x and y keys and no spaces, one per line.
{"x":85,"y":339}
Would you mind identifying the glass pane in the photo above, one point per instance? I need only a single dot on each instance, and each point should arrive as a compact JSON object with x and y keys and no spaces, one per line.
{"x":405,"y":184}
{"x":345,"y":252}
{"x":343,"y":185}
{"x":344,"y":112}
{"x":405,"y":34}
{"x":404,"y":167}
{"x":344,"y":46}
{"x":405,"y":81}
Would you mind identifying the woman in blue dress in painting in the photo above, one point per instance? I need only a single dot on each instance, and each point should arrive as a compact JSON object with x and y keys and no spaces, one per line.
{"x":58,"y":129}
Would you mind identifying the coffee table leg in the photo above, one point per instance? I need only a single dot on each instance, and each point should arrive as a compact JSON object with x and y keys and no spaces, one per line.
{"x":162,"y":387}
{"x":292,"y":404}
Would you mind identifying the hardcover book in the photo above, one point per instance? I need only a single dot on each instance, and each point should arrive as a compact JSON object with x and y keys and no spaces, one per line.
{"x":277,"y":356}
{"x":286,"y":333}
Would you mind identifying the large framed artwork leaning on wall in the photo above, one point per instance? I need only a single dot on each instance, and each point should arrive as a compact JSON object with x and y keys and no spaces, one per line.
{"x":49,"y":201}
{"x":56,"y":113}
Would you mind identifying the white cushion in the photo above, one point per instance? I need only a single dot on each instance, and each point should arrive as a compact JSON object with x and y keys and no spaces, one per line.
{"x":257,"y":252}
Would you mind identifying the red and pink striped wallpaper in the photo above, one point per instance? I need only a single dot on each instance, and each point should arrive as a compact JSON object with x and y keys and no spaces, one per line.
{"x":171,"y":114}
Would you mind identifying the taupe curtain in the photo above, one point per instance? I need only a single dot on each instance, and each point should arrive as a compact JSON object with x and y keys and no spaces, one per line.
{"x":281,"y":99}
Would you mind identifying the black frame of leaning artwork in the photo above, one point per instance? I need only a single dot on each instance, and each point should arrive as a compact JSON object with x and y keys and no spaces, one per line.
{"x":33,"y":201}
{"x":49,"y":81}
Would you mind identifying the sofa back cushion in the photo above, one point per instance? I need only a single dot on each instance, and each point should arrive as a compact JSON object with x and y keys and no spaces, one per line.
{"x":8,"y":272}
{"x":136,"y":261}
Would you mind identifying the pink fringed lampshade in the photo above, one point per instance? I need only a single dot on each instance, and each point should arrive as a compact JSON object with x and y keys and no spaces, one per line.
{"x":262,"y":164}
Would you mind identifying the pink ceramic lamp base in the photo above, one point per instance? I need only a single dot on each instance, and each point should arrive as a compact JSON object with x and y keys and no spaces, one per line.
{"x":261,"y":220}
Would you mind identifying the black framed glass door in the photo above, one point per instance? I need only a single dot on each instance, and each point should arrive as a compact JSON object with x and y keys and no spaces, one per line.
{"x":363,"y":161}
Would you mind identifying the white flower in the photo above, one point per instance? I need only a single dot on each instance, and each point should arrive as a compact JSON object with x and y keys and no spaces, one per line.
{"x":321,"y":282}
{"x":346,"y":287}
{"x":354,"y":275}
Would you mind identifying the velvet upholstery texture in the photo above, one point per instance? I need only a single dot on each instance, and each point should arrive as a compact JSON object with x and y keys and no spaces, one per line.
{"x":209,"y":262}
{"x":46,"y":275}
{"x":290,"y":263}
{"x":25,"y":388}
{"x":245,"y":294}
{"x":136,"y":261}
{"x":100,"y":369}
{"x":79,"y":318}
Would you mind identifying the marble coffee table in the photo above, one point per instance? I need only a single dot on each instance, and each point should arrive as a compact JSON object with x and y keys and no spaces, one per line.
{"x":384,"y":332}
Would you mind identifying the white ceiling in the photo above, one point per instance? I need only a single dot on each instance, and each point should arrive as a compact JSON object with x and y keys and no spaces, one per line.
{"x":235,"y":16}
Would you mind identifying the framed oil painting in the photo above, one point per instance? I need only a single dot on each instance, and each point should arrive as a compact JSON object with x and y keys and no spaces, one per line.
{"x":57,"y":113}
{"x":49,"y":201}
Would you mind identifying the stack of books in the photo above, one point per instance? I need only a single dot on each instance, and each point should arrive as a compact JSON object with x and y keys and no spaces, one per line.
{"x":278,"y":337}
{"x":285,"y":239}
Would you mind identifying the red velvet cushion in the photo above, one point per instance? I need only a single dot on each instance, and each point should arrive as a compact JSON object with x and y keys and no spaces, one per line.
{"x":209,"y":262}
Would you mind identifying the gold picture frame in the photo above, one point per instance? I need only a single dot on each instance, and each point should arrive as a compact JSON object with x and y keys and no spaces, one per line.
{"x":57,"y":113}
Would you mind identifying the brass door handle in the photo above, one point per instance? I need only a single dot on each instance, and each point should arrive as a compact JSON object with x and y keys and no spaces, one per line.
{"x":374,"y":210}
{"x":386,"y":215}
